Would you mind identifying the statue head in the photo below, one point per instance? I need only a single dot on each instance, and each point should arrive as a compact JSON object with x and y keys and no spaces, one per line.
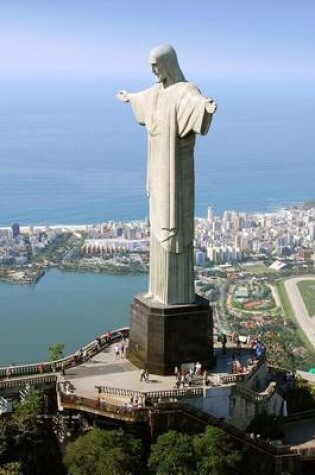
{"x":163,"y":60}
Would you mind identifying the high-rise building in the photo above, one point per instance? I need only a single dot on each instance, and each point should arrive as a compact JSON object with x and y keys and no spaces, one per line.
{"x":210,"y":214}
{"x":312,"y":231}
{"x":15,"y":229}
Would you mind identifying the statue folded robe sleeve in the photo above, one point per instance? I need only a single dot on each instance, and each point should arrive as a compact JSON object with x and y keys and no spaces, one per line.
{"x":172,"y":117}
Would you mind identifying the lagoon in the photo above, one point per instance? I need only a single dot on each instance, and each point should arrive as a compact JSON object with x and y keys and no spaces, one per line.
{"x":73,"y":308}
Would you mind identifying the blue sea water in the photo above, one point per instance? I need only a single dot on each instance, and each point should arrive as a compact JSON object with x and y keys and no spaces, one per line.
{"x":71,"y":153}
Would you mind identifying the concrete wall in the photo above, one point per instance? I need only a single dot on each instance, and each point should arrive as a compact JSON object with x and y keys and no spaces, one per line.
{"x":216,"y":401}
{"x":259,"y":379}
{"x":242,"y":411}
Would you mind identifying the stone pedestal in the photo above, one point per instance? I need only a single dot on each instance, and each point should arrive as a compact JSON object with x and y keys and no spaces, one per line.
{"x":162,"y":336}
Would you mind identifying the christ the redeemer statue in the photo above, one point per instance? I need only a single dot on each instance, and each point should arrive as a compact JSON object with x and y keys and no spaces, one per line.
{"x":173,"y":112}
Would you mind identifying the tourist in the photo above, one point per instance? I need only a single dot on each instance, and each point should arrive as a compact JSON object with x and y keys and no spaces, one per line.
{"x":142,"y":375}
{"x":224,"y":342}
{"x":8,"y":372}
{"x":116,"y":350}
{"x":98,"y":344}
{"x":198,"y":368}
{"x":85,"y":355}
{"x":41,"y":368}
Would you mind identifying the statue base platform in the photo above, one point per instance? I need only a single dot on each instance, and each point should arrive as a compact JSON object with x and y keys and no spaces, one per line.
{"x":165,"y":336}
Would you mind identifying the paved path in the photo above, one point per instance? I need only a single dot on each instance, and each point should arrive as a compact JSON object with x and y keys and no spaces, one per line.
{"x":275,"y":296}
{"x":305,"y":321}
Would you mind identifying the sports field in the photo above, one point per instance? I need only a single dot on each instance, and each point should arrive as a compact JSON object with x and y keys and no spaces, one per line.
{"x":259,"y":269}
{"x":307,"y":290}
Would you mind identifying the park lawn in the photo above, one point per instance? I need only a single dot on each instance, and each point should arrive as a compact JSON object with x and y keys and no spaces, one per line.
{"x":259,"y":269}
{"x":307,"y":290}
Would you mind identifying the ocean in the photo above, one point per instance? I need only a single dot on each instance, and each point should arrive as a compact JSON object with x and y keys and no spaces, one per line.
{"x":70,"y":153}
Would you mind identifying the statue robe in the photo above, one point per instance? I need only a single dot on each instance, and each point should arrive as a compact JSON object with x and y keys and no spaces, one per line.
{"x":172,"y":117}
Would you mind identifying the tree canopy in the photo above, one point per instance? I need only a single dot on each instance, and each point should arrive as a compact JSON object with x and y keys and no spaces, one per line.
{"x":56,"y":352}
{"x":11,"y":468}
{"x":202,"y":454}
{"x":173,"y":453}
{"x":101,"y":451}
{"x":214,"y":453}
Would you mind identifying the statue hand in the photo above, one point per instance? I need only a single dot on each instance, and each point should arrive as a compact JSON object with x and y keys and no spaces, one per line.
{"x":211,"y":106}
{"x":123,"y":96}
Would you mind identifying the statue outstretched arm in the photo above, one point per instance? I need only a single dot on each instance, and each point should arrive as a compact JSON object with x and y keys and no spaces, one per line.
{"x":211,"y":106}
{"x":123,"y":96}
{"x":138,"y":102}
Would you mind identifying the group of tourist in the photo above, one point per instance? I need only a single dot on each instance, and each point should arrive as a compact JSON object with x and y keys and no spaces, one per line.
{"x":121,"y":348}
{"x":186,"y":377}
{"x":137,"y":401}
{"x":237,"y":367}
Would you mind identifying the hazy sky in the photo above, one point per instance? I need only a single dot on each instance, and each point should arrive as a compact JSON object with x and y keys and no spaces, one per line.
{"x":245,"y":39}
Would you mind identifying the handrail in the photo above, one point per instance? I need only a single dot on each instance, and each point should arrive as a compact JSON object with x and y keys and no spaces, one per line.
{"x":153,"y":395}
{"x":251,"y":395}
{"x":237,"y":377}
{"x":117,"y":391}
{"x":304,"y":452}
{"x":70,"y":360}
{"x":175,"y":393}
{"x":97,"y":406}
{"x":32,"y":381}
{"x":277,"y":369}
{"x":232,"y":378}
{"x":293,"y":416}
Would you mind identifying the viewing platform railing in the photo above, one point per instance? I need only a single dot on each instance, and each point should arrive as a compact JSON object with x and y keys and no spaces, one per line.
{"x":97,"y":406}
{"x":253,"y":396}
{"x":243,"y":377}
{"x":39,"y":380}
{"x":14,"y":371}
{"x":117,"y":391}
{"x":153,"y":396}
{"x":174,"y":394}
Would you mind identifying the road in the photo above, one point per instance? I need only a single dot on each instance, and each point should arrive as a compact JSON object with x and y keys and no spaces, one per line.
{"x":306,"y":322}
